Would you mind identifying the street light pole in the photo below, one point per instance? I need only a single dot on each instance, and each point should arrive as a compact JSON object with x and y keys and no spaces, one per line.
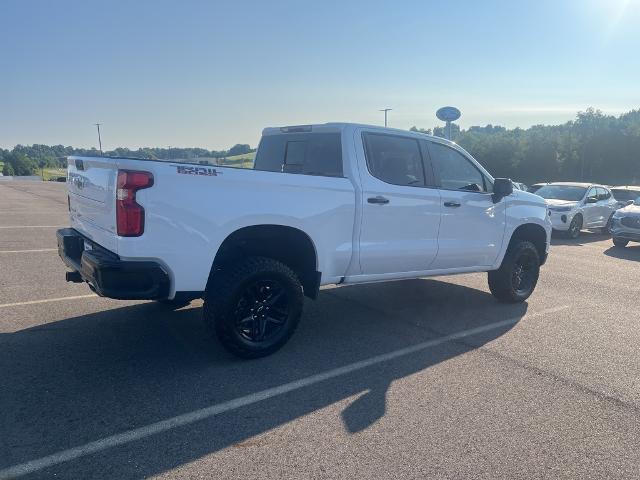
{"x":385,"y":110}
{"x":99,"y":139}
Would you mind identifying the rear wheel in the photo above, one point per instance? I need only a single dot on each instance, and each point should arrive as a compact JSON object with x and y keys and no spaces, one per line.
{"x":605,"y":229}
{"x":254,"y":307}
{"x":575,"y":226}
{"x":618,"y":242}
{"x":517,"y":277}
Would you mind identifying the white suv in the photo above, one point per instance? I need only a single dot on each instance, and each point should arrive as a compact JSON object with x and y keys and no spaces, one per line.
{"x":574,"y":206}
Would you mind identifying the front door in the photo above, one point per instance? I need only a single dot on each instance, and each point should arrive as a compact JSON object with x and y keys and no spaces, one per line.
{"x":400,"y":212}
{"x":472,"y":226}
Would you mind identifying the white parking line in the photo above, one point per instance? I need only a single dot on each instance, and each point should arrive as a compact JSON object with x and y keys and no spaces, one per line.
{"x":33,"y":226}
{"x":45,"y":300}
{"x":30,"y":251}
{"x":208,"y":412}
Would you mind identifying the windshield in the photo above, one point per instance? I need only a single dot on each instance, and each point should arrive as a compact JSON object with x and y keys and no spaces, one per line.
{"x":623,"y":195}
{"x":562,"y":192}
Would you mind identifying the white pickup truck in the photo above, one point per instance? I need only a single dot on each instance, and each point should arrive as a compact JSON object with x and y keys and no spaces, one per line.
{"x":337,"y":203}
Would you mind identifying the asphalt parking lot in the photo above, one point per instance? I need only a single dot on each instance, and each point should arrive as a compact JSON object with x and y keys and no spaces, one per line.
{"x":415,"y":379}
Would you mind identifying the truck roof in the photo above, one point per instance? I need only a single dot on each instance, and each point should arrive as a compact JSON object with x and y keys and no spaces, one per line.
{"x":339,"y":126}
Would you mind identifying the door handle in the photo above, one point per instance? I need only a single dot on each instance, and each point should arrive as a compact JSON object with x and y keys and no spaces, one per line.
{"x":451,"y":204}
{"x":379,"y":200}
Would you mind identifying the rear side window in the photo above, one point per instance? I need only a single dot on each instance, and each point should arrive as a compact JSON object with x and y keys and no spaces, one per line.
{"x":394,"y":159}
{"x":454,"y":170}
{"x":305,"y":153}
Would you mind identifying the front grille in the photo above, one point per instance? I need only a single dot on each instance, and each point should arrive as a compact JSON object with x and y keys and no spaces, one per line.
{"x":631,"y":222}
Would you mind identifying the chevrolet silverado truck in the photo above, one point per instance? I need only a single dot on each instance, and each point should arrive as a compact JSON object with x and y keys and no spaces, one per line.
{"x":336,"y":203}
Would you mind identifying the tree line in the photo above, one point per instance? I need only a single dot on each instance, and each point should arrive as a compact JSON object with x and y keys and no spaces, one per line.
{"x":29,"y":159}
{"x":592,"y":147}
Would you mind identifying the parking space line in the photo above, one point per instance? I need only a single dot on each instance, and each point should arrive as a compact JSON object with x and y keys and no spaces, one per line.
{"x":214,"y":410}
{"x":33,"y":226}
{"x":45,"y":300}
{"x":30,"y":251}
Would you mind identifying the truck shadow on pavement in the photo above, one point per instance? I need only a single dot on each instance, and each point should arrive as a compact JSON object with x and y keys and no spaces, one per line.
{"x":77,"y":380}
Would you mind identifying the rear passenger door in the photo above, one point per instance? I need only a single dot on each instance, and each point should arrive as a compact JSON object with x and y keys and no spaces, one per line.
{"x":472,"y":227}
{"x":400,"y":207}
{"x":607,"y":205}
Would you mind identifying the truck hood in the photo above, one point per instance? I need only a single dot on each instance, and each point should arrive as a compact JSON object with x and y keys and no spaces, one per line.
{"x":552,"y":202}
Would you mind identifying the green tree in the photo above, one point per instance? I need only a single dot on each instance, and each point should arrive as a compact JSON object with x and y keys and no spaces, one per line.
{"x":21,"y":164}
{"x":7,"y":170}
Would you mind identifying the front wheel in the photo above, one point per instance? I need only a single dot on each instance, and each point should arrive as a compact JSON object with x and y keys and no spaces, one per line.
{"x":517,"y":277}
{"x":254,"y":307}
{"x":618,"y":242}
{"x":575,"y":226}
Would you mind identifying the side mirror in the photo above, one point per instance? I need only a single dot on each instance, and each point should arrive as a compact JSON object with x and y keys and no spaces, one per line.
{"x":502,"y":187}
{"x":592,"y":200}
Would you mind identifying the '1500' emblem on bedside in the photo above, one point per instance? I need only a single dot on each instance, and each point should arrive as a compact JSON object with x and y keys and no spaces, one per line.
{"x":210,"y":172}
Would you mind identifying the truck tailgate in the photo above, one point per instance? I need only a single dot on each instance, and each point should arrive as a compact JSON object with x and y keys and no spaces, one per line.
{"x":91,"y":186}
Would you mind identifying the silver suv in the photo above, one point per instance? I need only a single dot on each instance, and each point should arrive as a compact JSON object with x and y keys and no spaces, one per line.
{"x":574,"y":206}
{"x":625,"y":225}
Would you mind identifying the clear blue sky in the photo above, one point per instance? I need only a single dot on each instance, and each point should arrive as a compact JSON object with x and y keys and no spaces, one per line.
{"x":213,"y":73}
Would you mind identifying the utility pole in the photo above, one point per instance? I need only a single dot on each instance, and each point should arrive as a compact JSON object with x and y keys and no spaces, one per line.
{"x":385,"y":110}
{"x":99,"y":139}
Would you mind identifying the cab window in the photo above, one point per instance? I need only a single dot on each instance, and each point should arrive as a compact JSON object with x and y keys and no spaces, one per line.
{"x":394,"y":159}
{"x":454,"y":171}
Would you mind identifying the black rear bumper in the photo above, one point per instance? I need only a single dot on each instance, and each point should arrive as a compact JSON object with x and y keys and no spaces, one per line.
{"x":107,"y":274}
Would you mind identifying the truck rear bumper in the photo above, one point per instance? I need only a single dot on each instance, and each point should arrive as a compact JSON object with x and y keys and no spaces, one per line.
{"x":107,"y":274}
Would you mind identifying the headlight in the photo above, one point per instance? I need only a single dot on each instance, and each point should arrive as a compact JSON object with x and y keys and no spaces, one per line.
{"x":560,"y":209}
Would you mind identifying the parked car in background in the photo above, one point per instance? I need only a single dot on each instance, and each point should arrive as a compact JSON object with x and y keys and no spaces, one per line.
{"x":625,"y":224}
{"x":625,"y":194}
{"x":520,"y":186}
{"x":535,"y":187}
{"x":574,"y":206}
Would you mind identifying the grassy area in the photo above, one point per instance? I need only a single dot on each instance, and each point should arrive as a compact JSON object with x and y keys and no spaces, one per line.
{"x":50,"y":173}
{"x":244,"y":161}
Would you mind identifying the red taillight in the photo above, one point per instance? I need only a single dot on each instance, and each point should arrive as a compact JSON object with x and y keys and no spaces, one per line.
{"x":129,"y":214}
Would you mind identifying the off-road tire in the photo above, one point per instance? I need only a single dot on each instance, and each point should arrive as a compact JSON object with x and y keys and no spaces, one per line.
{"x":502,"y":282}
{"x":227,"y":290}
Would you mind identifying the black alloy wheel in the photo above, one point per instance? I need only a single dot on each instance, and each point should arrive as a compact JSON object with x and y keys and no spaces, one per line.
{"x":262,"y":310}
{"x":525,"y":273}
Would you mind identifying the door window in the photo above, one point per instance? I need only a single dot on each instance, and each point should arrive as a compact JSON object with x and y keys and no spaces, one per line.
{"x":603,"y":194}
{"x":454,"y":170}
{"x":394,"y":159}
